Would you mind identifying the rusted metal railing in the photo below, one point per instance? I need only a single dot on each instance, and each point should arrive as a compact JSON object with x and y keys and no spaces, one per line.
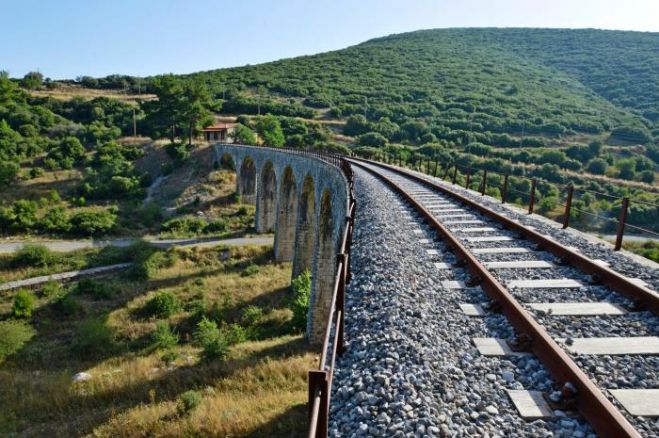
{"x":320,"y":380}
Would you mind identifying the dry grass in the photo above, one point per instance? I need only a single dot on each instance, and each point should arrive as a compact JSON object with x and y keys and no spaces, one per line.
{"x":65,"y":182}
{"x":259,"y":390}
{"x":68,"y":92}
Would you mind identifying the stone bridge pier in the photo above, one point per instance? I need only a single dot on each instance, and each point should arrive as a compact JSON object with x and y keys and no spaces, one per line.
{"x":304,"y":200}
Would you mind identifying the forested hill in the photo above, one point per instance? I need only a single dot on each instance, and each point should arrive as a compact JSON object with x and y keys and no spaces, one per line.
{"x":529,"y":81}
{"x":519,"y":82}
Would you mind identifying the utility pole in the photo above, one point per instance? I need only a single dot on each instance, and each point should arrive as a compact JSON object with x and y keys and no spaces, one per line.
{"x":134,"y":124}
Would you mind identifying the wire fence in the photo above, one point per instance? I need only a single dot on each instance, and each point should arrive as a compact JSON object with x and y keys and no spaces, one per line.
{"x":580,"y":208}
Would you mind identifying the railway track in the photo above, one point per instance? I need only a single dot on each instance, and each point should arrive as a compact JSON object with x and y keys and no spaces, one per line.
{"x":593,"y":329}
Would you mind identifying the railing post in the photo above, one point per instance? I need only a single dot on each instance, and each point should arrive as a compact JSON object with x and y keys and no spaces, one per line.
{"x":568,"y":206}
{"x":532,"y":199}
{"x":468,"y":178}
{"x":504,"y":192}
{"x":434,"y":174}
{"x":340,"y":302}
{"x":621,"y":223}
{"x":448,"y":169}
{"x":319,"y":379}
{"x":455,"y":174}
{"x":484,"y":182}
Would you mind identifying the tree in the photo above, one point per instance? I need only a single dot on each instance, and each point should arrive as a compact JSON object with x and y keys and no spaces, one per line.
{"x":647,"y":176}
{"x":356,"y":125}
{"x":270,"y":131}
{"x":166,"y":112}
{"x":195,"y":105}
{"x":597,"y":166}
{"x":243,"y":135}
{"x":32,"y":80}
{"x":372,"y":139}
{"x":8,"y":172}
{"x":626,"y":168}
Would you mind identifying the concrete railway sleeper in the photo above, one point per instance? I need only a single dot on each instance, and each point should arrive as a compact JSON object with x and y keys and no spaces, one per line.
{"x":495,"y":258}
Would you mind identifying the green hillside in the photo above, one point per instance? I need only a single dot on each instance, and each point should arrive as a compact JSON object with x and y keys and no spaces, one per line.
{"x":516,"y":81}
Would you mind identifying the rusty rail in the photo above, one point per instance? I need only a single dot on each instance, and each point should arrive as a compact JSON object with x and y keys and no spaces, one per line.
{"x":606,"y":420}
{"x":643,"y":297}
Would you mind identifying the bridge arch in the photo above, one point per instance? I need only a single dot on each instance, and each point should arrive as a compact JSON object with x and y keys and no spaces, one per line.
{"x":246,"y":181}
{"x":286,"y":217}
{"x":305,"y":229}
{"x":324,"y":270}
{"x":266,"y":199}
{"x":276,"y":179}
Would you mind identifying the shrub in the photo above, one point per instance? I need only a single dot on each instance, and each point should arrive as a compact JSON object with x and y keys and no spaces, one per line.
{"x":299,"y":305}
{"x":188,"y":401}
{"x":217,"y":226}
{"x":163,"y":336}
{"x":23,"y":304}
{"x":93,"y":222}
{"x":93,"y":337}
{"x":51,"y":289}
{"x":13,"y":336}
{"x":149,"y":260}
{"x":209,"y":337}
{"x":185,"y":225}
{"x":162,"y":305}
{"x":66,"y":305}
{"x":96,"y":289}
{"x":251,"y":315}
{"x":178,"y":152}
{"x":235,"y":334}
{"x":169,"y":356}
{"x":33,"y":256}
{"x":250,"y":270}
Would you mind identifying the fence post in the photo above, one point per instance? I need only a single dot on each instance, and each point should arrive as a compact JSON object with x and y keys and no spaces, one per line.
{"x":621,"y":223}
{"x":504,"y":192}
{"x":484,"y":182}
{"x":448,"y":168}
{"x":455,"y":174}
{"x":468,"y":178}
{"x":436,"y":167}
{"x":568,"y":206}
{"x":340,"y":302}
{"x":319,"y":379}
{"x":532,"y":199}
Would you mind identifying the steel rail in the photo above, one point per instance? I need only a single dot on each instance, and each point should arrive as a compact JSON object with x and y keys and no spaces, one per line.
{"x":644,"y":297}
{"x":603,"y":416}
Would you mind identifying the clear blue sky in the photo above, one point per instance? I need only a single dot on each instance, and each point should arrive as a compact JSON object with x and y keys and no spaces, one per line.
{"x":69,"y":38}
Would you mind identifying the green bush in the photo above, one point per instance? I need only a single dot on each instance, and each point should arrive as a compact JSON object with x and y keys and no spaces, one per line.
{"x":209,"y":337}
{"x":51,"y":289}
{"x":235,"y":334}
{"x":250,"y":270}
{"x":162,"y":305}
{"x":93,"y":223}
{"x":93,"y":337}
{"x":217,"y":226}
{"x":251,"y":315}
{"x":163,"y":336}
{"x":23,"y":304}
{"x":65,"y":305}
{"x":99,"y":290}
{"x":32,"y":255}
{"x":299,"y":305}
{"x":185,"y":224}
{"x":149,"y":260}
{"x":188,"y":401}
{"x":13,"y":336}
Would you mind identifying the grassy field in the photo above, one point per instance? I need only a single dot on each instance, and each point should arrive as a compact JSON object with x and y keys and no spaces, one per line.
{"x":140,"y":384}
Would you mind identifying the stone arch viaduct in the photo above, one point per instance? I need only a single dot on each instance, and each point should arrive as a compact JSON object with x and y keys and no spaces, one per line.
{"x":304,"y":200}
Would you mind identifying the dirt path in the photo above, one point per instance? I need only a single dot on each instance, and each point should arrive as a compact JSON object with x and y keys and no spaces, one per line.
{"x":72,"y":245}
